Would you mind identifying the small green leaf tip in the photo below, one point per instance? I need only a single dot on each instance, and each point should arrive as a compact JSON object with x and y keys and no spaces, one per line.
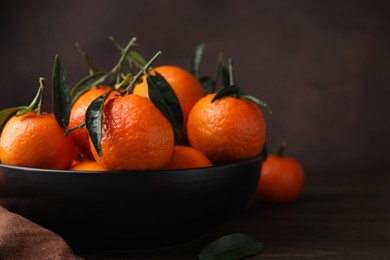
{"x":230,"y":247}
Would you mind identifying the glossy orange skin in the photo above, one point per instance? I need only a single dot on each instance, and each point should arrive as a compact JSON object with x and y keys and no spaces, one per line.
{"x":135,"y":135}
{"x":186,"y":87}
{"x":227,"y":130}
{"x":36,"y":141}
{"x":185,"y":157}
{"x":88,"y":166}
{"x":77,"y":117}
{"x":281,"y":179}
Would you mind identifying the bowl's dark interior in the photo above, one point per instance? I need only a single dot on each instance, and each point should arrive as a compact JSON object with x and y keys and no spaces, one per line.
{"x":128,"y":209}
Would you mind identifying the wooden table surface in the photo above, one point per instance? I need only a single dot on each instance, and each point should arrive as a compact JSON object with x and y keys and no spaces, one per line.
{"x":339,"y":216}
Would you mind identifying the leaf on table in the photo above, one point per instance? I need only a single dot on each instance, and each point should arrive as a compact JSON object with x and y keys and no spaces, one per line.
{"x":233,"y":246}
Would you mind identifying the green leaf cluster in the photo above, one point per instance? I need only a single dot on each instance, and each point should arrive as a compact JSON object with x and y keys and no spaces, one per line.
{"x":224,"y":73}
{"x":121,"y":78}
{"x":116,"y":77}
{"x":160,"y":93}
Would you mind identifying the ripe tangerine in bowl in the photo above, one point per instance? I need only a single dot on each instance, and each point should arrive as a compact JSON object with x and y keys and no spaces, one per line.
{"x":129,"y":210}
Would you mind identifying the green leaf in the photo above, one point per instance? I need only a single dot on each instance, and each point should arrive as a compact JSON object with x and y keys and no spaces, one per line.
{"x":120,"y":46}
{"x":257,"y":101}
{"x":225,"y":75}
{"x":227,"y":91}
{"x":217,"y":73}
{"x":230,"y":89}
{"x":111,"y":79}
{"x":132,"y":56}
{"x":138,"y":76}
{"x":208,"y":84}
{"x":196,"y":59}
{"x":125,"y":81}
{"x":93,"y":121}
{"x":233,"y":91}
{"x":165,"y":99}
{"x":233,"y":246}
{"x":61,"y":94}
{"x":138,"y":60}
{"x":91,"y":66}
{"x":85,"y":84}
{"x":7,"y":113}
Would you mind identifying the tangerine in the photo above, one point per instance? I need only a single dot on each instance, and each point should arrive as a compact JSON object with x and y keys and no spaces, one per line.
{"x":77,"y":116}
{"x":78,"y":159}
{"x":229,"y":129}
{"x":135,"y":135}
{"x":187,"y":157}
{"x":281,"y":179}
{"x":37,"y":141}
{"x":186,"y":87}
{"x":87,"y":166}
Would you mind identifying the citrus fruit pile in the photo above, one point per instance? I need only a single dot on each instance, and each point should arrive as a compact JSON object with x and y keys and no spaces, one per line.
{"x":135,"y":117}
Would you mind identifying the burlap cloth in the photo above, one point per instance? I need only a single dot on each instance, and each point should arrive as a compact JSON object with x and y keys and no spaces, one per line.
{"x":23,"y":239}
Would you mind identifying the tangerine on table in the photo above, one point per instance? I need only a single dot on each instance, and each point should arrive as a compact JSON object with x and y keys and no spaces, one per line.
{"x":77,"y":117}
{"x":36,"y":141}
{"x":184,"y":157}
{"x":87,"y":166}
{"x":228,"y":130}
{"x":186,"y":87}
{"x":281,"y":179}
{"x":135,"y":135}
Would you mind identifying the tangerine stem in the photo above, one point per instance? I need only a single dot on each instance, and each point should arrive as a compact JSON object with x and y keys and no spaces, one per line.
{"x":282,"y":149}
{"x":68,"y":130}
{"x":42,"y":86}
{"x":115,"y":42}
{"x":30,"y":107}
{"x":125,"y":52}
{"x":140,"y":73}
{"x":91,"y":67}
{"x":231,"y":78}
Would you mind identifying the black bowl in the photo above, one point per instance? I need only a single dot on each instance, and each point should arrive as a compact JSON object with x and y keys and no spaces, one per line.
{"x":128,"y":210}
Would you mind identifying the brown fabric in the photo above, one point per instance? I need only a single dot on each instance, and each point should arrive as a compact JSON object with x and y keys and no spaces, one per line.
{"x":23,"y":239}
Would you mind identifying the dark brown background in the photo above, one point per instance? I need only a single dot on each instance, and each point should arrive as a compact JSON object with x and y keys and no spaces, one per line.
{"x":321,"y":65}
